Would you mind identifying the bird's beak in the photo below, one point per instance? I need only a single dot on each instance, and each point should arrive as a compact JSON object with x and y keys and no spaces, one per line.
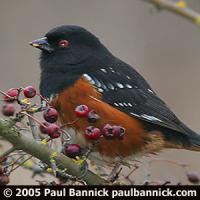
{"x":42,"y":44}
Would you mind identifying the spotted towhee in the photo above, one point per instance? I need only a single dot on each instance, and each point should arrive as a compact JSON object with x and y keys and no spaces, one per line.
{"x":78,"y":69}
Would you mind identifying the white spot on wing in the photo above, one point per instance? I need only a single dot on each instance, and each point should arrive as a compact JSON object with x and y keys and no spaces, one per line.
{"x":129,"y":86}
{"x":151,"y":118}
{"x":92,"y":82}
{"x":150,"y":91}
{"x":103,"y":70}
{"x":120,"y":85}
{"x":112,"y":70}
{"x":121,"y":104}
{"x":130,"y":104}
{"x":110,"y":86}
{"x":116,"y":104}
{"x":100,"y":90}
{"x":89,"y":78}
{"x":134,"y":114}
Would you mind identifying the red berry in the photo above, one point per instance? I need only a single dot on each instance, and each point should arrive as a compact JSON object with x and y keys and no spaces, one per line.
{"x":93,"y":116}
{"x":4,"y":180}
{"x":29,"y":92}
{"x":72,"y":150}
{"x":81,"y":111}
{"x":53,"y":131}
{"x":50,"y":115}
{"x":92,"y":133}
{"x":43,"y":129}
{"x":193,"y":177}
{"x":108,"y":131}
{"x":12,"y":93}
{"x":118,"y":131}
{"x":8,"y":109}
{"x":113,"y":131}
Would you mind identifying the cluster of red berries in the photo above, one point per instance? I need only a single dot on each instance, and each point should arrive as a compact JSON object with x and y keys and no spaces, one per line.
{"x":83,"y":111}
{"x":48,"y":127}
{"x":94,"y":133}
{"x":4,"y":178}
{"x":54,"y":131}
{"x":108,"y":131}
{"x":12,"y":95}
{"x":50,"y":116}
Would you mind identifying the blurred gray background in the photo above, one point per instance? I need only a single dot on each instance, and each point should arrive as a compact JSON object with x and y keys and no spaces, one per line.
{"x":163,"y":47}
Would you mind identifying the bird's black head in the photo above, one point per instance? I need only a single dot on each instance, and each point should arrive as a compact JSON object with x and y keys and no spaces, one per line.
{"x":67,"y":45}
{"x":67,"y":52}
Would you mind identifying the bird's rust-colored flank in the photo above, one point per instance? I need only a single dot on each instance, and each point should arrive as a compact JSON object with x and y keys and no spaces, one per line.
{"x":84,"y":93}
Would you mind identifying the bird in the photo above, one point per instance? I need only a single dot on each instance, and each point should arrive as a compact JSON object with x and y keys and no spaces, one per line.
{"x":78,"y":69}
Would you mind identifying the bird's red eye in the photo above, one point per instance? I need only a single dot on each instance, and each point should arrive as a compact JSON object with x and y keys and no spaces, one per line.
{"x":63,"y":43}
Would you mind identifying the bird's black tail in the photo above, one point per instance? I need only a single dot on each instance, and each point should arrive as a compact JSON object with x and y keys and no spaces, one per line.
{"x":189,"y":140}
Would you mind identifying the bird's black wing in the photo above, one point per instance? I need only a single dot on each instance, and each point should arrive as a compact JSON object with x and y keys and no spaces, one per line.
{"x":125,"y":89}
